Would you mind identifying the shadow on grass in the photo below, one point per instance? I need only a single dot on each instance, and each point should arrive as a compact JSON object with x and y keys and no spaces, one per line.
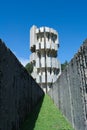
{"x":29,"y":123}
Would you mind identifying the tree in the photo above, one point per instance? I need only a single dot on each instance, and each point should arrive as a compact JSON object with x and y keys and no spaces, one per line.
{"x":29,"y":68}
{"x":63,"y":66}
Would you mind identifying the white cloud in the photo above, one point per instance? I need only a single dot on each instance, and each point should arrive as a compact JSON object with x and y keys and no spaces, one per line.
{"x":23,"y":61}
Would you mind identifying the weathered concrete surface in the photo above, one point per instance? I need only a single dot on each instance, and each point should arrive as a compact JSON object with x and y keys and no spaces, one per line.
{"x":70,"y":91}
{"x":19,"y":93}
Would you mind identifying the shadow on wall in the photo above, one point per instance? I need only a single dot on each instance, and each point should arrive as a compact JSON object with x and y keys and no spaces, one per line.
{"x":19,"y":93}
{"x":29,"y":123}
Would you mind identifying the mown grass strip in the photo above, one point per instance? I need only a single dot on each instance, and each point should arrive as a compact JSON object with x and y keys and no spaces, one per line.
{"x":46,"y":117}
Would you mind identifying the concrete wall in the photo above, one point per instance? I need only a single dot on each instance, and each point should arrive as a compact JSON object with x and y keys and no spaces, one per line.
{"x":19,"y":93}
{"x":70,"y":91}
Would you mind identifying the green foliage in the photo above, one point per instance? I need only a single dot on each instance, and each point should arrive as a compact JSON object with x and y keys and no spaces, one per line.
{"x":63,"y":66}
{"x":46,"y":117}
{"x":29,"y":67}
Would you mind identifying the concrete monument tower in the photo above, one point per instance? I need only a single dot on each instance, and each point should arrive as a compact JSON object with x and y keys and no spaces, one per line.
{"x":44,"y":44}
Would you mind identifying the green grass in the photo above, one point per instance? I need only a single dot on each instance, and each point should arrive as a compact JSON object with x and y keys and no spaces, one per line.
{"x":46,"y":117}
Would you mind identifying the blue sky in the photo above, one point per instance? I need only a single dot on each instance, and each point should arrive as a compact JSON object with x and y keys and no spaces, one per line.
{"x":68,"y":17}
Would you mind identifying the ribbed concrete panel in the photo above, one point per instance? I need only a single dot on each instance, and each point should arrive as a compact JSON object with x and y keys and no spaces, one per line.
{"x":19,"y":93}
{"x":69,"y":92}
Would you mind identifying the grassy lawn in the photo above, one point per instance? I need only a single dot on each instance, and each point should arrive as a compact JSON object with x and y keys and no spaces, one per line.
{"x":46,"y":117}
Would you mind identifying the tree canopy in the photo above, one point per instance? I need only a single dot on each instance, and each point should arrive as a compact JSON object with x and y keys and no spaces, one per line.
{"x":64,"y":65}
{"x":29,"y":67}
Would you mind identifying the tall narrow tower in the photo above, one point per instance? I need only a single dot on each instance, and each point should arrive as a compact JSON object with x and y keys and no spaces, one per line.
{"x":44,"y":45}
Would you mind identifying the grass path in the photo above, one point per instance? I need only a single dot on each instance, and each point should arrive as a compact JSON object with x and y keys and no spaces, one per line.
{"x":48,"y":117}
